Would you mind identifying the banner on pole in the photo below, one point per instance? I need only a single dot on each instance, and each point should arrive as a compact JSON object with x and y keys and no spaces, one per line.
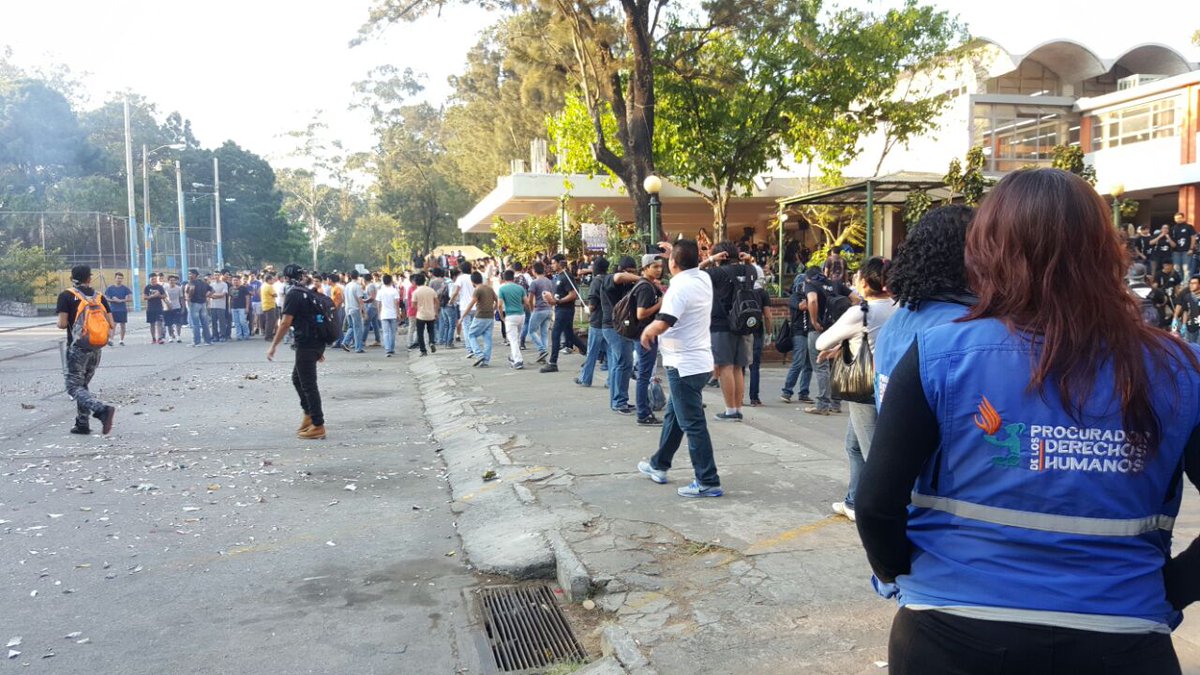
{"x":595,"y":236}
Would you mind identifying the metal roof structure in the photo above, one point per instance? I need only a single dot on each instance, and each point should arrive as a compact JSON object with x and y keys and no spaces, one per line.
{"x":889,"y":190}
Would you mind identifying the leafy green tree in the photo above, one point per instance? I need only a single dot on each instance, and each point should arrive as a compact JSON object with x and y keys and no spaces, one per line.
{"x":40,"y":143}
{"x":968,"y":182}
{"x":24,"y":271}
{"x":1070,"y":158}
{"x":515,"y":77}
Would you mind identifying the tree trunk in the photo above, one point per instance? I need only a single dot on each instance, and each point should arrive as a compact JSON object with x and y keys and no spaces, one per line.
{"x":720,"y":207}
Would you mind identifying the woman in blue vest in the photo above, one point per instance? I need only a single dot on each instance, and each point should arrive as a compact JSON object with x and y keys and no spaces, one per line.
{"x":1027,"y":466}
{"x":929,"y":283}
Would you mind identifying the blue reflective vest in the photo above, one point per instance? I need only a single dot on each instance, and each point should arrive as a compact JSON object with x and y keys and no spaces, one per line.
{"x":1023,"y":507}
{"x":897,"y":335}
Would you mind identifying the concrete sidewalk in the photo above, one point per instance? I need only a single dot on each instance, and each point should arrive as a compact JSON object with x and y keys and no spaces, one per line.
{"x":765,"y":579}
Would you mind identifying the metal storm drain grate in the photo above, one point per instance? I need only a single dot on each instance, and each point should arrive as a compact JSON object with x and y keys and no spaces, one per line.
{"x":526,"y":629}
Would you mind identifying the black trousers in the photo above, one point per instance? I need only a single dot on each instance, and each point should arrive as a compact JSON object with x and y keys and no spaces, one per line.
{"x":424,"y":327}
{"x":304,"y":379}
{"x":929,"y":642}
{"x":564,"y":332}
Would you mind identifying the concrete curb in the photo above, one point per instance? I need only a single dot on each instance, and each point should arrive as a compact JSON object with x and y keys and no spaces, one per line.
{"x":616,"y":642}
{"x":572,"y":576}
{"x":502,"y":531}
{"x":605,"y":666}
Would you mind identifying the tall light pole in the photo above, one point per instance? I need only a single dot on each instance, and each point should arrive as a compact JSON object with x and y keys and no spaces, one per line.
{"x":783,"y":218}
{"x":217,"y":210}
{"x":149,"y":234}
{"x":133,"y":236}
{"x":1116,"y":191}
{"x":653,"y":185}
{"x":562,"y":224}
{"x":183,"y":252}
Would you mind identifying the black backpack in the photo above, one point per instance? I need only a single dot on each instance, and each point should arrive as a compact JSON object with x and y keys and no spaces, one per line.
{"x":444,"y":294}
{"x":835,"y":307}
{"x":624,"y":315}
{"x":746,"y":312}
{"x":322,"y":325}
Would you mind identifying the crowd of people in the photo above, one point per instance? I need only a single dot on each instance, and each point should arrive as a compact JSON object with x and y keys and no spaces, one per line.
{"x":1015,"y":469}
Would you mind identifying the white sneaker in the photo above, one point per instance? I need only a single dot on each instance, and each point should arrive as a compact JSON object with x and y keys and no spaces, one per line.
{"x":841,"y":509}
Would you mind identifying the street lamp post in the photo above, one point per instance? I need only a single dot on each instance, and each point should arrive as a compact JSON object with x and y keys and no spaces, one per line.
{"x":783,"y":218}
{"x":183,"y":251}
{"x":133,"y":236}
{"x":653,"y":185}
{"x":562,"y":224}
{"x":217,"y":211}
{"x":146,"y":154}
{"x":1116,"y":191}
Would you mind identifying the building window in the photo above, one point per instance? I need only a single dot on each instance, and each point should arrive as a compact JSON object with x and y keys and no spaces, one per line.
{"x":1014,"y":136}
{"x":1136,"y":123}
{"x":1029,"y":79}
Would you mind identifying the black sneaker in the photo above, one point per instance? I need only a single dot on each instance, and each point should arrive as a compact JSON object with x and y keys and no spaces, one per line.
{"x":480,"y":362}
{"x":804,"y":399}
{"x":627,"y":410}
{"x":542,"y":357}
{"x":714,"y":383}
{"x":82,"y":431}
{"x":549,"y":368}
{"x":650,"y":421}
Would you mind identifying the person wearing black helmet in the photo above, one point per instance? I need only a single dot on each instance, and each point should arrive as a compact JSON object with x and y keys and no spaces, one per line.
{"x":299,"y":310}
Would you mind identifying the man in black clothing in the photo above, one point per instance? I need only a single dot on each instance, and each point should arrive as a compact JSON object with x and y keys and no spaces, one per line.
{"x":197,"y":295}
{"x":154,"y":294}
{"x":731,"y":352}
{"x":300,"y":312}
{"x":1162,"y":248}
{"x":1187,"y":311}
{"x":82,"y":360}
{"x":647,"y":298}
{"x":596,"y":344}
{"x":620,"y":349}
{"x":1168,"y":278}
{"x":1183,"y":237}
{"x":563,"y":302}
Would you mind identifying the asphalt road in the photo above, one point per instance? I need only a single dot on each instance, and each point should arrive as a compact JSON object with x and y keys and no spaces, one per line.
{"x":202,"y":537}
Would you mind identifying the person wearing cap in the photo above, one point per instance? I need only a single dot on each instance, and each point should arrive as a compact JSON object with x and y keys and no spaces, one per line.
{"x":620,"y":349}
{"x":300,"y":310}
{"x":647,"y":299}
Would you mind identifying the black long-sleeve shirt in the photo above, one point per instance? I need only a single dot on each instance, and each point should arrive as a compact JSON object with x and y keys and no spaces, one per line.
{"x":906,"y":437}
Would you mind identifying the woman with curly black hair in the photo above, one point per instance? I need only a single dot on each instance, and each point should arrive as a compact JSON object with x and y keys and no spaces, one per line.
{"x":929,"y":282}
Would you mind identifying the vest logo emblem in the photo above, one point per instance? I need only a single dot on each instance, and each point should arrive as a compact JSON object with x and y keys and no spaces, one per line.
{"x":989,"y":421}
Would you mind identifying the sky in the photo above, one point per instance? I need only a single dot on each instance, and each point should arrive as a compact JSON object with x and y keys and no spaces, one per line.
{"x":253,"y":70}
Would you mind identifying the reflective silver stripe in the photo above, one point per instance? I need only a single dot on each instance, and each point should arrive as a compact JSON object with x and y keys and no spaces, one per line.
{"x":1046,"y":522}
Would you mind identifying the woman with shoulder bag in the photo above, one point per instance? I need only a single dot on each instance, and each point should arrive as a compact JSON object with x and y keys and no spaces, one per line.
{"x":876,"y":308}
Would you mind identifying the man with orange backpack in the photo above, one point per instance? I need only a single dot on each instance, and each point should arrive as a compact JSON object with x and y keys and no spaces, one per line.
{"x":86,"y":316}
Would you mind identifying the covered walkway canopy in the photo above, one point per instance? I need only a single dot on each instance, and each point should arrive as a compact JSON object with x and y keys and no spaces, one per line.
{"x":890,"y":190}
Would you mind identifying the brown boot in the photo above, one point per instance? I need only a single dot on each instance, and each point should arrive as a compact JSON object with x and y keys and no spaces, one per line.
{"x":312,"y":433}
{"x":306,"y":423}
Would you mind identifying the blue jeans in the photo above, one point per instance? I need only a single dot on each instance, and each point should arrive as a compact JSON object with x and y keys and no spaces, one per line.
{"x":824,"y":397}
{"x":372,"y":322}
{"x":595,"y":344}
{"x":198,"y":320}
{"x":450,"y":314}
{"x":620,"y":368}
{"x":220,"y":323}
{"x":357,"y":333}
{"x":1191,"y":337}
{"x":389,"y":335}
{"x":539,"y":320}
{"x":525,"y":329}
{"x":859,"y":432}
{"x":645,"y":371}
{"x":240,"y":323}
{"x":801,"y":368}
{"x":755,"y":366}
{"x":685,"y":415}
{"x":1181,"y":259}
{"x":479,"y":337}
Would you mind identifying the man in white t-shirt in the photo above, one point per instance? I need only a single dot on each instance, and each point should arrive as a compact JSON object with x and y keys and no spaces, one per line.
{"x":683,"y":323}
{"x":466,"y":291}
{"x":387,"y":298}
{"x":354,"y":315}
